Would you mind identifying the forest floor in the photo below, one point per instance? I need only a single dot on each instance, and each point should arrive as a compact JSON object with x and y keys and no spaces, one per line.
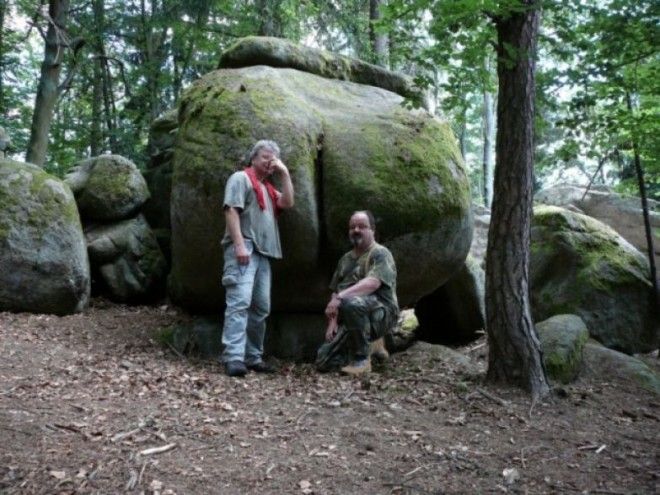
{"x":92,"y":403}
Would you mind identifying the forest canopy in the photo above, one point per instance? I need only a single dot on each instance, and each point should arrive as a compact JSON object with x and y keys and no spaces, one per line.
{"x":122,"y":64}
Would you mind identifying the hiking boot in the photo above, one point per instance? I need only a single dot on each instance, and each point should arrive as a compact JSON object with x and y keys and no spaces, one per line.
{"x":261,"y":367}
{"x":377,"y":349}
{"x":357,"y":368}
{"x":235,"y":368}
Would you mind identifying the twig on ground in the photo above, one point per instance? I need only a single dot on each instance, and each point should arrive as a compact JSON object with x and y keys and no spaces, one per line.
{"x":158,"y":450}
{"x":16,"y":430}
{"x":132,"y":480}
{"x":175,"y":351}
{"x":492,"y":397}
{"x":121,"y":436}
{"x":144,"y":466}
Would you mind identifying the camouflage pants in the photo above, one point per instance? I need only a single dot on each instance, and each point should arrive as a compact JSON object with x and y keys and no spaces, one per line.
{"x":362,"y":319}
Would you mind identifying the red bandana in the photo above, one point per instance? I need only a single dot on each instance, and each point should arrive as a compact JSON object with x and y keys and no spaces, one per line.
{"x":272,"y":192}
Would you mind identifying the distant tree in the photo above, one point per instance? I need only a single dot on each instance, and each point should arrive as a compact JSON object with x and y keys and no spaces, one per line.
{"x":377,"y":37}
{"x":56,"y":44}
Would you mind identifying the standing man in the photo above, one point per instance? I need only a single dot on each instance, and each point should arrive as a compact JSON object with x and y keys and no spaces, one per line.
{"x":251,"y":206}
{"x":363,"y":306}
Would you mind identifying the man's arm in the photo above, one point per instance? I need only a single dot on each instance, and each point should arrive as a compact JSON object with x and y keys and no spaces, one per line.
{"x":233,"y":222}
{"x":364,"y":287}
{"x":286,"y":198}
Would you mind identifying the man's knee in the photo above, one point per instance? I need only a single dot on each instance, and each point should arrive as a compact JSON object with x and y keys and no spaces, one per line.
{"x":352,"y":307}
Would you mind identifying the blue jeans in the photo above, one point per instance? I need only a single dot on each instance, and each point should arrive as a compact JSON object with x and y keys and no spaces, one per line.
{"x":247,"y":289}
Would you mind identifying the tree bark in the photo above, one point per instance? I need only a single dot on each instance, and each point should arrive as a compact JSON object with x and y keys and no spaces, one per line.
{"x":3,"y":10}
{"x":515,"y":352}
{"x":96,"y":131}
{"x":489,"y":134}
{"x":645,"y":212}
{"x":270,"y":21}
{"x":379,"y":41}
{"x":48,"y":88}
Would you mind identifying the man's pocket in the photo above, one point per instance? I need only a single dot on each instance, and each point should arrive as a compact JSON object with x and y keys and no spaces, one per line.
{"x":232,"y":271}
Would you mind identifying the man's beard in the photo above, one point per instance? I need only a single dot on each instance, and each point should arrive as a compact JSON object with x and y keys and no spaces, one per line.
{"x":356,"y":239}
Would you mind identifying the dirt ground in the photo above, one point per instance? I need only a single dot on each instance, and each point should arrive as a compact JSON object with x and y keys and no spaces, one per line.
{"x":92,"y":403}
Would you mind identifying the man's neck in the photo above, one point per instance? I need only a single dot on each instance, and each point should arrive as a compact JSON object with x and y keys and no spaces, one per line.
{"x":359,"y":252}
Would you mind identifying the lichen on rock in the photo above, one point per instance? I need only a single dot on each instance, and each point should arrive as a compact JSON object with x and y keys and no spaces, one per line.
{"x":43,"y":260}
{"x":348,"y":146}
{"x":581,"y":266}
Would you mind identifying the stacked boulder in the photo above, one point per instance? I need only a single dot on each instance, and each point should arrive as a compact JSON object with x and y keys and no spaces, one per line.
{"x":123,"y":251}
{"x":348,"y":146}
{"x":43,"y":260}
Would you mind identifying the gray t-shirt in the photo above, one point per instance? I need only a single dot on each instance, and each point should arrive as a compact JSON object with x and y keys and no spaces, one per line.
{"x":260,"y":226}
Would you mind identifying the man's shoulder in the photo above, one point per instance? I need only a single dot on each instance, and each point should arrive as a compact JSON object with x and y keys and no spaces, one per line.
{"x":239,"y":175}
{"x":379,"y":248}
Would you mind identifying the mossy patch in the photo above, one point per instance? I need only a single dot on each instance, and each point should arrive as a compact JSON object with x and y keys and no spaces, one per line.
{"x":581,"y":266}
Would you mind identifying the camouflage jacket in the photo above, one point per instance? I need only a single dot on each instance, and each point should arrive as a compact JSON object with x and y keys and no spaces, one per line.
{"x":377,"y":262}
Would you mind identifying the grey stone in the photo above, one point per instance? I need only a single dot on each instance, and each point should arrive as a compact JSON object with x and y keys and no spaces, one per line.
{"x":201,"y":337}
{"x":279,"y":52}
{"x":43,"y":260}
{"x":581,"y":266}
{"x":348,"y":146}
{"x":295,"y":336}
{"x":128,"y":259}
{"x":562,"y":340}
{"x":623,"y":214}
{"x":107,"y":187}
{"x":607,"y":364}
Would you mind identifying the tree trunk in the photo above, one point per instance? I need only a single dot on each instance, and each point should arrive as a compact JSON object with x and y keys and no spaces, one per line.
{"x":489,"y":134}
{"x":48,"y":89}
{"x":379,"y":42}
{"x":515,"y":352}
{"x":3,"y":107}
{"x":96,"y":131}
{"x":645,"y":212}
{"x":270,"y":21}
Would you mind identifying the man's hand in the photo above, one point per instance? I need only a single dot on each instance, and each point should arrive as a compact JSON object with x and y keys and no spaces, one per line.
{"x":331,"y":332}
{"x":278,"y":167}
{"x":332,"y":309}
{"x":242,"y":254}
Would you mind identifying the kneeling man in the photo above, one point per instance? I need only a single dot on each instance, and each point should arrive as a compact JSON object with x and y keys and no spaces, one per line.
{"x":363,"y":306}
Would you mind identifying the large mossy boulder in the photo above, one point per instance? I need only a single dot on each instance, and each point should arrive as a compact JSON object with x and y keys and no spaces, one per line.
{"x":348,"y":146}
{"x":282,"y":53}
{"x":43,"y":259}
{"x":562,"y":340}
{"x":623,"y":214}
{"x":107,"y":187}
{"x":128,"y":260}
{"x":583,"y":267}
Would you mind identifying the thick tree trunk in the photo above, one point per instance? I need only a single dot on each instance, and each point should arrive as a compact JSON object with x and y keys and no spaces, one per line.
{"x":489,"y":135}
{"x":379,"y":41}
{"x":3,"y":10}
{"x":48,"y":89}
{"x":515,"y":353}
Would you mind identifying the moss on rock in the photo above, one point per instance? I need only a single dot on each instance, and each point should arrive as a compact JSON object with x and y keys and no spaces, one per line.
{"x":581,"y":266}
{"x":348,"y":146}
{"x":562,"y":340}
{"x":43,"y":261}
